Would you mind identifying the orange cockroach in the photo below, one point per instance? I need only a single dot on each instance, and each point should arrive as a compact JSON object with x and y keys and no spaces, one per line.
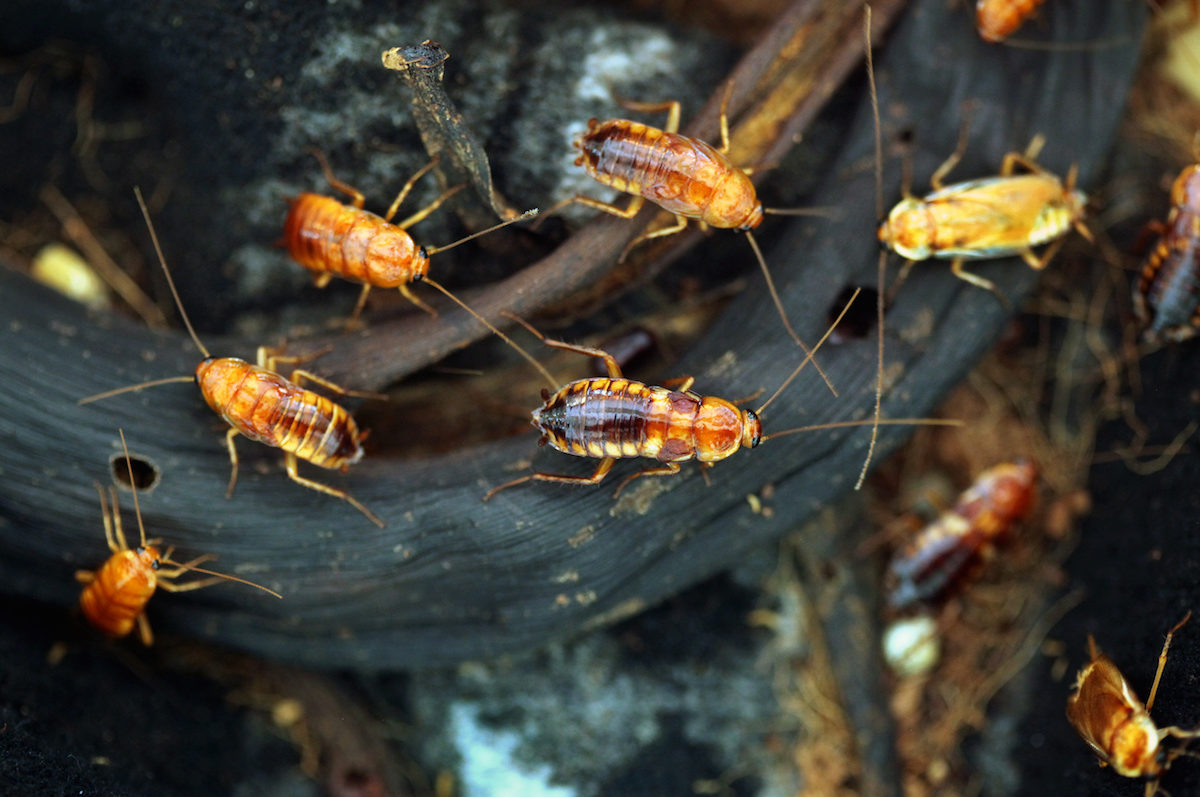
{"x":1166,"y":296}
{"x":268,"y":408}
{"x":1108,"y":715}
{"x":940,"y":554}
{"x":996,"y":20}
{"x":612,"y":417}
{"x":684,"y":175}
{"x":986,"y":218}
{"x":116,"y":595}
{"x":333,"y":239}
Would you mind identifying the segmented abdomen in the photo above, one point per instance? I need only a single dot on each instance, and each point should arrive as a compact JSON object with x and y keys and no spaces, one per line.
{"x":1167,"y":295}
{"x":268,"y":408}
{"x":604,"y":417}
{"x":325,"y":236}
{"x":117,"y":594}
{"x":676,"y":172}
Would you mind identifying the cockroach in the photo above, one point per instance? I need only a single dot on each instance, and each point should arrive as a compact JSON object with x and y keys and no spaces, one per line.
{"x":259,"y":403}
{"x":115,"y":596}
{"x":1108,"y":715}
{"x":996,"y":20}
{"x":686,"y":176}
{"x":333,"y":239}
{"x":987,"y":218}
{"x":941,"y":554}
{"x":610,"y":418}
{"x":1166,"y":297}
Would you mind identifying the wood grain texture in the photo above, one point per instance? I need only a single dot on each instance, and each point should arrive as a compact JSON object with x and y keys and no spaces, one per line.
{"x":451,"y":578}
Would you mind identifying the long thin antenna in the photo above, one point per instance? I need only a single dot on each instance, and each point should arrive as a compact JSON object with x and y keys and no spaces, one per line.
{"x":881,"y":270}
{"x":431,"y":250}
{"x":224,"y":576}
{"x":804,"y":362}
{"x":137,"y":191}
{"x":137,"y":510}
{"x":131,"y":388}
{"x":882,"y":422}
{"x":762,"y":263}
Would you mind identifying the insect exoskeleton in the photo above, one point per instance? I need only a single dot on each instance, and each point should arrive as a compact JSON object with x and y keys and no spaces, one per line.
{"x":610,"y":418}
{"x":115,"y":596}
{"x":990,"y":217}
{"x":941,"y":554}
{"x":681,"y":174}
{"x":996,"y":20}
{"x":1166,"y":296}
{"x":331,"y":239}
{"x":1110,"y":718}
{"x":269,"y":408}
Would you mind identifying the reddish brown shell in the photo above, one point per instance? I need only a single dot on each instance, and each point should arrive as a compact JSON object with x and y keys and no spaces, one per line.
{"x":681,"y":174}
{"x":326,"y":236}
{"x":118,"y":593}
{"x":268,"y":408}
{"x":1166,"y":297}
{"x":996,"y":20}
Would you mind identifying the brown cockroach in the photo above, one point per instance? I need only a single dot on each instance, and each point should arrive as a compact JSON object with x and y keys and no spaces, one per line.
{"x":986,"y":218}
{"x":609,"y":418}
{"x":684,"y":175}
{"x":259,"y":403}
{"x":115,"y":596}
{"x":1108,"y":715}
{"x":332,"y":239}
{"x":996,"y":20}
{"x":944,"y":550}
{"x":1166,"y":297}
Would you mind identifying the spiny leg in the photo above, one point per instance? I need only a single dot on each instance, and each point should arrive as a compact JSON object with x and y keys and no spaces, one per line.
{"x":956,"y":268}
{"x":672,"y":107}
{"x":269,"y":360}
{"x":682,"y":383}
{"x":1162,"y":658}
{"x":1026,"y":159}
{"x":900,"y":278}
{"x":290,"y":462}
{"x":400,"y":197}
{"x":144,"y":632}
{"x":85,"y":576}
{"x":610,"y":362}
{"x":628,"y":212}
{"x":680,"y":225}
{"x":665,"y":470}
{"x":408,"y":294}
{"x":601,"y":471}
{"x":108,"y":528}
{"x":1038,"y":263}
{"x":948,"y":165}
{"x":431,"y":207}
{"x":200,"y":583}
{"x":183,"y":567}
{"x":356,"y":197}
{"x":233,"y":461}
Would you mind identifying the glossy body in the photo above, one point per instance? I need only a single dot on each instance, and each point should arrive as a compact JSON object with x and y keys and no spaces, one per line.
{"x":117,"y":595}
{"x":1166,"y":297}
{"x":944,"y":551}
{"x":681,"y":174}
{"x":606,"y":417}
{"x":986,"y":218}
{"x":996,"y":20}
{"x":329,"y":237}
{"x":267,"y":408}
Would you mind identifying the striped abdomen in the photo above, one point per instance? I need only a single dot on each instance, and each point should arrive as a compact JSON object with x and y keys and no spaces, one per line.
{"x":945,"y":550}
{"x":270,"y":409}
{"x":606,"y":417}
{"x":681,"y":174}
{"x":327,"y":237}
{"x":118,"y":593}
{"x":1167,"y":295}
{"x":996,"y":20}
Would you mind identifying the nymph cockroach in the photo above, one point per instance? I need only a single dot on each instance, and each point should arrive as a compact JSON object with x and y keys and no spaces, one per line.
{"x":333,"y":239}
{"x":1166,"y":296}
{"x":609,"y":418}
{"x":115,"y":596}
{"x":266,"y":407}
{"x":1108,"y":715}
{"x":996,"y":20}
{"x":987,"y":218}
{"x":939,"y":556}
{"x":684,"y":175}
